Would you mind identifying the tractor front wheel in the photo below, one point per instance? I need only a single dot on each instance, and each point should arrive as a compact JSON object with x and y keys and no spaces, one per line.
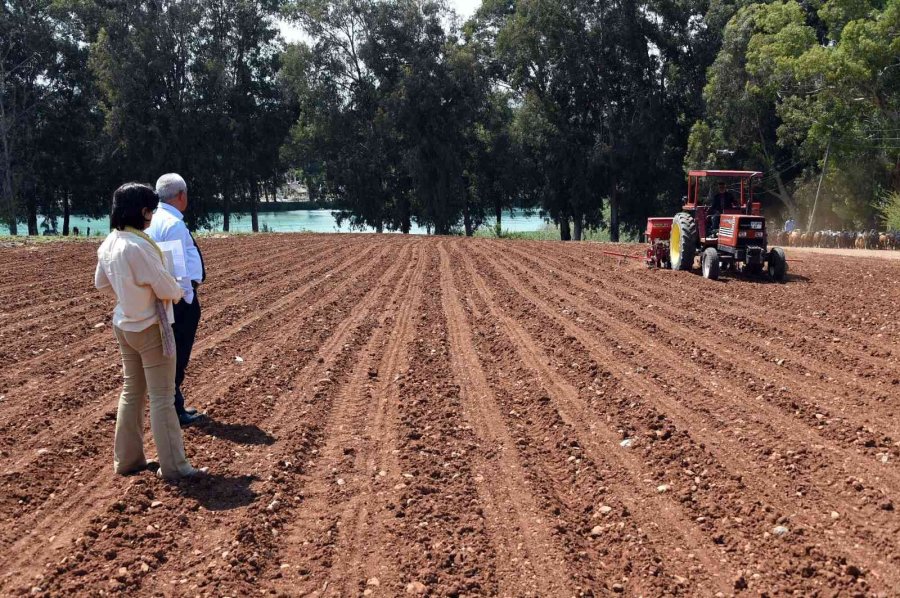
{"x":777,"y":264}
{"x":709,"y":263}
{"x":682,"y":241}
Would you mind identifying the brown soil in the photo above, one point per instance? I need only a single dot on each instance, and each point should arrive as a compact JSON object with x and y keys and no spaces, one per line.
{"x":446,"y":417}
{"x":879,"y":253}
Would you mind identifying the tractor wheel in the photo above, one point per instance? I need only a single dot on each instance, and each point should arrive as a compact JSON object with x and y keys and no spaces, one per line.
{"x":683,"y":241}
{"x":777,"y":264}
{"x":709,"y":263}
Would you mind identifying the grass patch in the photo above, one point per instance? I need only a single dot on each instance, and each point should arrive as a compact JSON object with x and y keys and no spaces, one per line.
{"x":549,"y":232}
{"x":41,"y":240}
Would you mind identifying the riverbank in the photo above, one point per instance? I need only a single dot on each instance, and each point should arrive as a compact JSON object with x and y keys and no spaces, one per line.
{"x":305,"y":220}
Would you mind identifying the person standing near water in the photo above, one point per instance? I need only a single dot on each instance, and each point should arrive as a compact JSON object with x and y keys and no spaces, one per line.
{"x":130,"y":267}
{"x":168,"y":225}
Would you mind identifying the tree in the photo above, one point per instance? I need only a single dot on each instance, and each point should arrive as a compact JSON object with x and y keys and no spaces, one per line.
{"x":389,"y":99}
{"x":592,"y":85}
{"x":27,"y":52}
{"x":495,"y":170}
{"x":741,"y":124}
{"x":794,"y":80}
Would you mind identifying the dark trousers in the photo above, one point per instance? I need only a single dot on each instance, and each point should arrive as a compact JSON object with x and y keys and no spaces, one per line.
{"x":187,"y":318}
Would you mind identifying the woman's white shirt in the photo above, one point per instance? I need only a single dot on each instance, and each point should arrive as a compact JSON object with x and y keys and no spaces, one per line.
{"x":129,"y":268}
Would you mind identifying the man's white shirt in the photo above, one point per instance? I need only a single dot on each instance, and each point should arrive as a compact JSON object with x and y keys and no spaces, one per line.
{"x":168,"y":225}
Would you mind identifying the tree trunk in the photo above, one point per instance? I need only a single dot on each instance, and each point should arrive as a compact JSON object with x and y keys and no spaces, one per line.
{"x":467,"y":220}
{"x":613,"y":214}
{"x":895,"y":176}
{"x":577,"y":224}
{"x":311,"y":191}
{"x":564,"y":233}
{"x":786,"y":198}
{"x":6,"y":185}
{"x":31,"y":210}
{"x":254,"y":206}
{"x":65,"y":200}
{"x":226,"y":208}
{"x":405,"y":223}
{"x":498,"y":212}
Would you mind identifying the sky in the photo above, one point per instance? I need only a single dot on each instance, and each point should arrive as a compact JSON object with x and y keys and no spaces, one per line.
{"x":464,"y":8}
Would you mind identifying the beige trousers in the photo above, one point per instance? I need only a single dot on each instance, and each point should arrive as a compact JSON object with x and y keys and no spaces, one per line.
{"x":148,"y":370}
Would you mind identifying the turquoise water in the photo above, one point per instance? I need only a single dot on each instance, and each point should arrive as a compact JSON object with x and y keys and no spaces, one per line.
{"x":318,"y":221}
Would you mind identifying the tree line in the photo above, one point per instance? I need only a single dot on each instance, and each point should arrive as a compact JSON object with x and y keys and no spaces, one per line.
{"x":396,"y":112}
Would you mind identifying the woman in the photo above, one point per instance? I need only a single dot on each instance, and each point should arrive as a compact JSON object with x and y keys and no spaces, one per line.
{"x":130,"y":267}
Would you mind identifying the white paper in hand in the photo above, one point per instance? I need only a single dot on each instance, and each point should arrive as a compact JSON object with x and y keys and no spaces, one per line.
{"x":173,"y":251}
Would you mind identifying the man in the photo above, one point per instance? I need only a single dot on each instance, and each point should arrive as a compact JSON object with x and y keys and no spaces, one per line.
{"x":168,"y":225}
{"x":721,"y":201}
{"x":789,"y":225}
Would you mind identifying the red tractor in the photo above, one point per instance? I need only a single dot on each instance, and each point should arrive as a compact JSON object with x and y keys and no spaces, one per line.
{"x":730,"y":234}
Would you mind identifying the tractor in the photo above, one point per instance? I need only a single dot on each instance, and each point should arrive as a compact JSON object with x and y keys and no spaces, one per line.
{"x":739,"y":243}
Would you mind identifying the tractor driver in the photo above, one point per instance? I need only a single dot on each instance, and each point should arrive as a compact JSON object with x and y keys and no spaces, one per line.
{"x":721,"y":201}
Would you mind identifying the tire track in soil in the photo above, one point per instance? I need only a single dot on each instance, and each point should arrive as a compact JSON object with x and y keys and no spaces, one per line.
{"x":323,"y":545}
{"x":861,"y":510}
{"x":528,"y":559}
{"x":209,"y":348}
{"x":686,"y":420}
{"x":362,"y":275}
{"x":695,"y":563}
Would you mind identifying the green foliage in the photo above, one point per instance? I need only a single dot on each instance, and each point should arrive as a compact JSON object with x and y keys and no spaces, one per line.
{"x":587,"y":109}
{"x":600,"y":87}
{"x":795,"y":80}
{"x":128,"y":90}
{"x":889,"y":210}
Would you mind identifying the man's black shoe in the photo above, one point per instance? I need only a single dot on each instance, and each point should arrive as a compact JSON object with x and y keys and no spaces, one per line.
{"x":186,"y":419}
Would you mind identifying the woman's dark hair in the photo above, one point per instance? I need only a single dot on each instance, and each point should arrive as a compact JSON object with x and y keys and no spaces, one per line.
{"x":128,"y":205}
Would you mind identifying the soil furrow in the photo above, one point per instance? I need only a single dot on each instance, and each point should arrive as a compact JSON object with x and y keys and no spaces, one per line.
{"x":242,"y":489}
{"x":612,"y":353}
{"x":504,"y":418}
{"x":324,"y":534}
{"x":530,"y":561}
{"x":78,"y":390}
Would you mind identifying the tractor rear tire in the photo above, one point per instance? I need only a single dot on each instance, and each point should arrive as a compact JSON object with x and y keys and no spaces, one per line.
{"x":683,"y":242}
{"x":709,"y":263}
{"x":777,"y":264}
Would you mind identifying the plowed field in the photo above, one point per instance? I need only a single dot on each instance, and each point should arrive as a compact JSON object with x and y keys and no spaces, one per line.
{"x":457,"y":417}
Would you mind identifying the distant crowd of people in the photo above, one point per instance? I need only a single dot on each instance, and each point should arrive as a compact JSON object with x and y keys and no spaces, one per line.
{"x":155,"y":321}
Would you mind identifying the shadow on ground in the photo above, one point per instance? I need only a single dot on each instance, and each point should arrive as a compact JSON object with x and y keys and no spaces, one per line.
{"x":237,"y":433}
{"x":217,"y":492}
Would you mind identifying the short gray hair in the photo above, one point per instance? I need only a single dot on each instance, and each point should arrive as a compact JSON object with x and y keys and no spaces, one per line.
{"x":169,"y":186}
